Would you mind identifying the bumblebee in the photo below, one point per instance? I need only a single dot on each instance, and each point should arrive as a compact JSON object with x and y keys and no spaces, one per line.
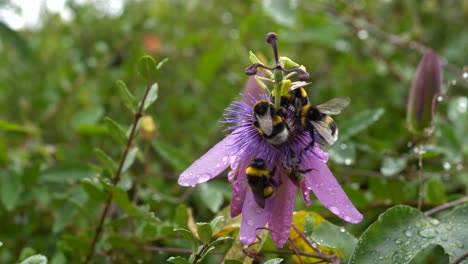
{"x":260,"y":181}
{"x":317,"y":118}
{"x":270,"y":123}
{"x":296,"y":97}
{"x":294,"y":172}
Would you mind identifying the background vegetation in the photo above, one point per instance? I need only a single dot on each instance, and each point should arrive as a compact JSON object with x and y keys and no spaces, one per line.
{"x":59,"y":96}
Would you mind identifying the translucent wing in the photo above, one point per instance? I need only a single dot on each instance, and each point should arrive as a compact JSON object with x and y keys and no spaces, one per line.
{"x":326,"y":131}
{"x":334,"y":106}
{"x":265,"y":122}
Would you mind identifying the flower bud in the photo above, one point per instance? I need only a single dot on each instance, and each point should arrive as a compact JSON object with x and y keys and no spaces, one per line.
{"x":422,"y":99}
{"x":148,"y":128}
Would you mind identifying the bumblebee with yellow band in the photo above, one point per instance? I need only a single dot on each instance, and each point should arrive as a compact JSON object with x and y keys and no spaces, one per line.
{"x":260,"y":181}
{"x":269,"y":123}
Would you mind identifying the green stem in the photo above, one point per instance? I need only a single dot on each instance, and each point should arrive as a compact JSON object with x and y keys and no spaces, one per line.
{"x":278,"y":79}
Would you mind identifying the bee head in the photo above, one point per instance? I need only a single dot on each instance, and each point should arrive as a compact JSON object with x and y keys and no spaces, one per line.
{"x":263,"y":107}
{"x":258,"y":163}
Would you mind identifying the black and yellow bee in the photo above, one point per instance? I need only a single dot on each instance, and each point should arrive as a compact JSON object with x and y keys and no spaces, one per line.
{"x":270,"y":123}
{"x":317,"y":118}
{"x":260,"y":181}
{"x":296,"y":97}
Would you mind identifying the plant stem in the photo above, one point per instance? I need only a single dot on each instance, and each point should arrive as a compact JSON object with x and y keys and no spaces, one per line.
{"x":117,"y":175}
{"x":444,"y":206}
{"x":421,"y":178}
{"x":320,"y":254}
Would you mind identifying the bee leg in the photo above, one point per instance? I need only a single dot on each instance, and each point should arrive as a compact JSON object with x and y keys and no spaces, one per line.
{"x":312,"y":142}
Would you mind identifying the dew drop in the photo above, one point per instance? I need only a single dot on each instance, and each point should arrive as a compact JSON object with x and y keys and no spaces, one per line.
{"x":250,"y":222}
{"x":444,"y":238}
{"x":446,"y":166}
{"x":342,"y":230}
{"x":193,"y":185}
{"x":434,"y":222}
{"x":453,"y":82}
{"x":459,"y":244}
{"x":397,"y":241}
{"x":334,"y":210}
{"x":363,"y":34}
{"x":408,"y":233}
{"x":398,"y":258}
{"x":347,"y":161}
{"x":348,"y":219}
{"x":428,"y":233}
{"x":343,"y":146}
{"x":465,"y":75}
{"x":440,"y":98}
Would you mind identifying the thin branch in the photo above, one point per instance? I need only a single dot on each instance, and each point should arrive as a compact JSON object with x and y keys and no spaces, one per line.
{"x":445,"y":206}
{"x":117,"y":175}
{"x":461,"y":258}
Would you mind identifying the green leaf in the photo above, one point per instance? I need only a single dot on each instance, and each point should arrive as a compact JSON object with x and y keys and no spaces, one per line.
{"x":181,"y":215}
{"x":16,"y":40}
{"x":392,"y":165}
{"x":281,"y":11}
{"x":147,"y":68}
{"x":161,"y":63}
{"x":210,"y":196}
{"x":274,"y":261}
{"x":1,"y":244}
{"x":10,"y":190}
{"x":435,"y":191}
{"x":115,"y":130}
{"x":215,"y":221}
{"x":106,"y":161}
{"x":174,"y":156}
{"x":86,"y":120}
{"x":359,"y":122}
{"x":63,"y":216}
{"x":120,"y":197}
{"x":127,"y":97}
{"x":204,"y":232}
{"x":12,"y":127}
{"x":178,"y":260}
{"x":94,"y":189}
{"x":187,"y":235}
{"x":130,"y":159}
{"x":333,"y":236}
{"x":152,"y":96}
{"x":402,"y":231}
{"x":65,"y":173}
{"x":232,"y":261}
{"x":36,"y":259}
{"x":344,"y":153}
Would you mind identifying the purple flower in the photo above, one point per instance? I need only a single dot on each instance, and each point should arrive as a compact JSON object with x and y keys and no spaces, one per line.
{"x":244,"y":144}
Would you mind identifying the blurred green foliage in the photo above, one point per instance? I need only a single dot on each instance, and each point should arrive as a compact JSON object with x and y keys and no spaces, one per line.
{"x":64,"y":120}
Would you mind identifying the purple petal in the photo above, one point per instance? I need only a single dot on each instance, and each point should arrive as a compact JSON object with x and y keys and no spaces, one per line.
{"x":239,"y":189}
{"x":325,"y":187}
{"x":282,"y":212}
{"x":210,"y":165}
{"x":252,"y":88}
{"x":253,"y":219}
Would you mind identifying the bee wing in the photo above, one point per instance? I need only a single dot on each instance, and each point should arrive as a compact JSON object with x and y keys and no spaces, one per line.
{"x":326,"y":131}
{"x":298,"y":84}
{"x":334,"y":106}
{"x":266,"y":123}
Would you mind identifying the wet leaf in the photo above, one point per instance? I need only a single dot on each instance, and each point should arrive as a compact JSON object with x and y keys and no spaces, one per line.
{"x":115,"y":130}
{"x":106,"y":161}
{"x":36,"y":259}
{"x":127,"y":97}
{"x":130,"y":159}
{"x":205,"y":232}
{"x":359,"y":122}
{"x":280,"y":11}
{"x":152,"y":96}
{"x":402,"y":232}
{"x":392,"y":165}
{"x":147,"y":68}
{"x":177,"y":260}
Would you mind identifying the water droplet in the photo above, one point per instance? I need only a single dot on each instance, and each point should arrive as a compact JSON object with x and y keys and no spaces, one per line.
{"x":465,"y":75}
{"x":250,"y":222}
{"x":258,"y":210}
{"x":428,"y":233}
{"x":193,"y":185}
{"x":446,"y":166}
{"x":434,"y":222}
{"x":440,"y":98}
{"x":342,"y":230}
{"x":409,"y":144}
{"x":462,"y":105}
{"x":459,"y":244}
{"x":398,"y":258}
{"x":397,"y":241}
{"x":363,"y":34}
{"x":334,"y":210}
{"x":380,"y":257}
{"x":408,"y":233}
{"x":347,"y":161}
{"x":453,"y":82}
{"x":343,"y":146}
{"x":348,"y":219}
{"x":444,"y":238}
